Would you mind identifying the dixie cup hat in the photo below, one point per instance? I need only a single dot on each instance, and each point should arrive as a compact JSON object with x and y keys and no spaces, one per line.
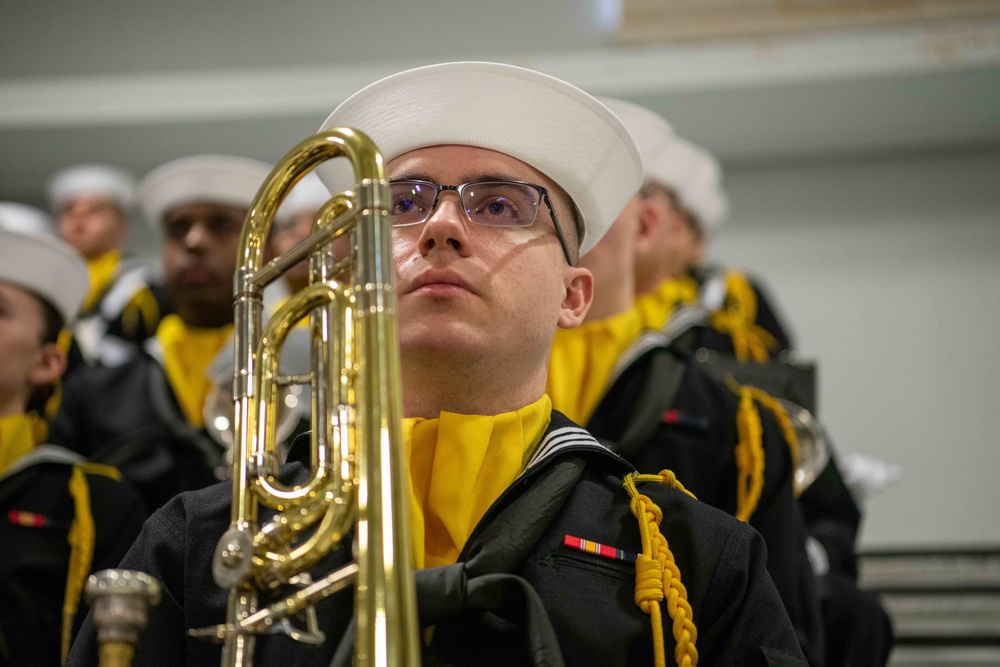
{"x":17,"y":217}
{"x":546,"y":123}
{"x":102,"y":180}
{"x":225,"y":180}
{"x":45,"y":266}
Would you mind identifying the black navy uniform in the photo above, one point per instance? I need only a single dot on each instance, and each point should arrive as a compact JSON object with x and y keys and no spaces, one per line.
{"x":127,"y":416}
{"x":38,"y":510}
{"x":662,"y":411}
{"x":517,"y":595}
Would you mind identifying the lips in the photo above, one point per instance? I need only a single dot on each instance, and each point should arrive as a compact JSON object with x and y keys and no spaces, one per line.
{"x":440,"y":282}
{"x":194,"y":275}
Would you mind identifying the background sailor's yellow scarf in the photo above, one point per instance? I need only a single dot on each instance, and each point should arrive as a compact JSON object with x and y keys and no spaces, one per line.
{"x":582,"y":360}
{"x":459,"y":466}
{"x":102,"y":271}
{"x":656,"y":307}
{"x":187,"y":352}
{"x":16,"y":439}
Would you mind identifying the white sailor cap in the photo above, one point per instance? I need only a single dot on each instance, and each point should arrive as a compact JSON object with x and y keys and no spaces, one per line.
{"x":45,"y":266}
{"x":549,"y":124}
{"x":696,"y":178}
{"x":690,"y":171}
{"x":213,"y":179}
{"x":16,"y":217}
{"x":651,"y":132}
{"x":102,"y":180}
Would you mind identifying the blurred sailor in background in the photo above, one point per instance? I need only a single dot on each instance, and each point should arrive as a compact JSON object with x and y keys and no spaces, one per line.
{"x":659,"y":409}
{"x":680,"y":208}
{"x":94,"y":204}
{"x":300,"y":209}
{"x":62,"y":517}
{"x":147,"y":414}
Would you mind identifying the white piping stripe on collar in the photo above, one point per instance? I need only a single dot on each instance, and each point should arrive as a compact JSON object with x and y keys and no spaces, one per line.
{"x":560,"y":439}
{"x":43,"y":454}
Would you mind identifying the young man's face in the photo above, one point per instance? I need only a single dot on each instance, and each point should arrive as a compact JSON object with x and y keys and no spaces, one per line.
{"x":92,"y":224}
{"x":669,"y":245}
{"x":25,"y":361}
{"x":199,"y":258}
{"x":466,"y":288}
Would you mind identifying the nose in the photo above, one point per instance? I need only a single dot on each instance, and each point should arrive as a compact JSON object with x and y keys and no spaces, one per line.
{"x":446,"y":228}
{"x":196,"y":238}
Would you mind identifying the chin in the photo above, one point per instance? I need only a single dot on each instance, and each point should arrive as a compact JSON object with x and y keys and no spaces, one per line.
{"x":453,"y":341}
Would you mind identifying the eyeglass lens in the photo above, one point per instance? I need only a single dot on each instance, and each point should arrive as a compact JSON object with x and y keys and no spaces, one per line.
{"x":495,"y":203}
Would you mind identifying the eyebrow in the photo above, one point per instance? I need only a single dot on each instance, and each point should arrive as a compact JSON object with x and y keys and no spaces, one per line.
{"x":470,"y":177}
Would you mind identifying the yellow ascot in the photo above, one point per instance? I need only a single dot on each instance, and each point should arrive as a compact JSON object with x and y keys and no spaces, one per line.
{"x":459,"y":466}
{"x":16,"y":439}
{"x":582,"y":360}
{"x":656,"y":307}
{"x":187,"y":353}
{"x":102,"y":271}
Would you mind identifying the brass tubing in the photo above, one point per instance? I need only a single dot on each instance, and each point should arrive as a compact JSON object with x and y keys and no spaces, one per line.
{"x":356,"y":457}
{"x":115,"y":655}
{"x":385,"y":594}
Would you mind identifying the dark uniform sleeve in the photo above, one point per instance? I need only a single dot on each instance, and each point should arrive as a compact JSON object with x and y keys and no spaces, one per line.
{"x":158,"y":552}
{"x":768,"y":319}
{"x":778,"y":518}
{"x":832,"y":517}
{"x":748,"y":624}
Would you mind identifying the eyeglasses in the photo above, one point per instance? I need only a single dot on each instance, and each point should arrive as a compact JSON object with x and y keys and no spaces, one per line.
{"x":490,"y":203}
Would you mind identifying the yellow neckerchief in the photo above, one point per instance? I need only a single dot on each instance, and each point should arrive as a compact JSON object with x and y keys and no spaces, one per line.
{"x":16,"y":439}
{"x":582,"y":360}
{"x":656,"y":307}
{"x":102,"y":271}
{"x":459,"y":466}
{"x":187,"y":352}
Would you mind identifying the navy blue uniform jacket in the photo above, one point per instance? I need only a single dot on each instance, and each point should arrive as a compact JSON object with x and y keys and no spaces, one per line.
{"x":515,"y":584}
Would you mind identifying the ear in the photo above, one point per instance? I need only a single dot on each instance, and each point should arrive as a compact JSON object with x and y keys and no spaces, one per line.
{"x":577,"y":296}
{"x":649,"y":222}
{"x":48,"y":367}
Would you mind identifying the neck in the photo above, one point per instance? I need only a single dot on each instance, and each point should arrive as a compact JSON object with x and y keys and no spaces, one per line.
{"x":212,"y":319}
{"x":469,"y":386}
{"x":14,"y":405}
{"x":612,"y":296}
{"x":649,"y":281}
{"x":296,"y":284}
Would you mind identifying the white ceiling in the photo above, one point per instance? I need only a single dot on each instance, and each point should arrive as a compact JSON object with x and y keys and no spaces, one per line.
{"x":137,"y":83}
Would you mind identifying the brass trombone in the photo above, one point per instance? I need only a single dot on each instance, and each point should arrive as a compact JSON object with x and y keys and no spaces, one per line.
{"x":356,"y":478}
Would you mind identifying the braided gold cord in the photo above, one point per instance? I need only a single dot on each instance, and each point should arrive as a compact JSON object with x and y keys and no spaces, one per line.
{"x":81,"y":542}
{"x":659,"y":578}
{"x":784,"y":421}
{"x":738,"y":319}
{"x":749,"y":453}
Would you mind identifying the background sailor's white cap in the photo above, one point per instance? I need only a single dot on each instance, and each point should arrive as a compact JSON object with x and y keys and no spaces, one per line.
{"x":696,"y":178}
{"x":102,"y":180}
{"x":651,"y":132}
{"x":549,"y":124}
{"x":16,"y":217}
{"x":689,"y":170}
{"x":214,"y":179}
{"x":308,"y":196}
{"x":46,"y":266}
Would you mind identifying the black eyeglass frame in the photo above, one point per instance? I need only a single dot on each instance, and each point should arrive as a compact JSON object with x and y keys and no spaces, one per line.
{"x":543,"y":194}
